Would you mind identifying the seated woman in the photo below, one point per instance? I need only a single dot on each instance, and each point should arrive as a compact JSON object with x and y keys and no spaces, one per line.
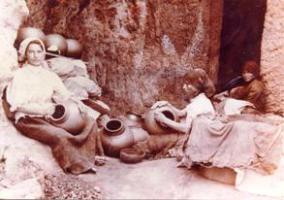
{"x":252,"y":89}
{"x":74,"y":75}
{"x":29,"y":102}
{"x":198,"y":87}
{"x":221,"y":141}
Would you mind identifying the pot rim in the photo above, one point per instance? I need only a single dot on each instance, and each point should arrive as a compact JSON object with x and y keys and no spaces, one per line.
{"x":61,"y":117}
{"x":117,"y":131}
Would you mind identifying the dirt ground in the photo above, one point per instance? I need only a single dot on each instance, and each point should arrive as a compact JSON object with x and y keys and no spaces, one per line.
{"x":159,"y":179}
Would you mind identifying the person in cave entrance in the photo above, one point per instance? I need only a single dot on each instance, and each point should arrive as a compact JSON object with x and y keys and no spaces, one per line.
{"x":252,"y":90}
{"x":30,"y":102}
{"x":248,"y":87}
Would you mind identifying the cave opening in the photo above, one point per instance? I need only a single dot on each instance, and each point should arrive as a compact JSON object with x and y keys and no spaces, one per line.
{"x":241,"y":35}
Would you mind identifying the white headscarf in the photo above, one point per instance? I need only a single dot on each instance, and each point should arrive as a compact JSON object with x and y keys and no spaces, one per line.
{"x":24,"y":45}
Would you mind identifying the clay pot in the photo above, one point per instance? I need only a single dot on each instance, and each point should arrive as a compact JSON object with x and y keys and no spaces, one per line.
{"x":55,"y":43}
{"x":27,"y":32}
{"x":74,"y":48}
{"x":135,"y":122}
{"x":115,"y":136}
{"x":139,"y":134}
{"x":68,"y":117}
{"x":154,"y":127}
{"x":134,"y":119}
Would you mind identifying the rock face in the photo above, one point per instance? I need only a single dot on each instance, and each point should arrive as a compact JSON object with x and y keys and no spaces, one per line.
{"x":11,"y":17}
{"x":137,"y":50}
{"x":272,"y":59}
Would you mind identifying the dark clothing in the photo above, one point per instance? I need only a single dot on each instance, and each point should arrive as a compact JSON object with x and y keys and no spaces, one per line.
{"x":252,"y":92}
{"x":237,"y":81}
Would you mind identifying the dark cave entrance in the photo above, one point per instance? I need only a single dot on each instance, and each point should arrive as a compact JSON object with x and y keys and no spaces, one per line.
{"x":241,"y":36}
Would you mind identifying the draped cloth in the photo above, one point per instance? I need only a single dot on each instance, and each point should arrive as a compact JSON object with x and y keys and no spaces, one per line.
{"x":75,"y":154}
{"x":241,"y":142}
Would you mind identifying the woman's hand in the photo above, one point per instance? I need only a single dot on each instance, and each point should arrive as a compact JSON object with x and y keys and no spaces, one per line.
{"x":221,"y":96}
{"x":161,"y":118}
{"x":159,"y":104}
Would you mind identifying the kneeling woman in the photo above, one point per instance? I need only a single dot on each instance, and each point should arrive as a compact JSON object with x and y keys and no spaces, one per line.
{"x":29,"y":102}
{"x":242,"y":141}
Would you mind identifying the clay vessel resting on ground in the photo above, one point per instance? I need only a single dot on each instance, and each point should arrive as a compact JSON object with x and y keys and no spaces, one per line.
{"x":115,"y":136}
{"x":135,"y":123}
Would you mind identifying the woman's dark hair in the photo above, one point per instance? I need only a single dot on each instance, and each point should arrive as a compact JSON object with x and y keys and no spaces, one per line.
{"x":251,"y":67}
{"x":199,"y":79}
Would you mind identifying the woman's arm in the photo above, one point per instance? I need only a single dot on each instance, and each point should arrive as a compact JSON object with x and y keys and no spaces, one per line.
{"x":183,"y":127}
{"x":35,"y":108}
{"x":61,"y":93}
{"x":178,"y":112}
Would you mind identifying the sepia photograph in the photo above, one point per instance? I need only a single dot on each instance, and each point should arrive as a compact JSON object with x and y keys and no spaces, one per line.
{"x":142,"y":99}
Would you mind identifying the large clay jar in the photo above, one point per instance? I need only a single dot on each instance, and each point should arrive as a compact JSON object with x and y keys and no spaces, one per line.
{"x":68,"y":117}
{"x":74,"y":48}
{"x":55,"y":43}
{"x":154,"y":127}
{"x":134,"y":122}
{"x":134,"y":119}
{"x":28,"y":32}
{"x":139,"y":134}
{"x":115,"y":136}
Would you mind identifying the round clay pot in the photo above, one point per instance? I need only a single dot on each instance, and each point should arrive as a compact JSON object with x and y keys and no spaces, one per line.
{"x":134,"y":119}
{"x":27,"y":32}
{"x":74,"y":48}
{"x":55,"y":43}
{"x":139,"y":134}
{"x":154,"y":127}
{"x":68,"y":117}
{"x":116,"y":136}
{"x":131,"y":155}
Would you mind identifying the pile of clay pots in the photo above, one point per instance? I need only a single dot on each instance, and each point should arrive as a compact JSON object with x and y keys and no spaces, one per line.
{"x":118,"y":137}
{"x":54,"y":43}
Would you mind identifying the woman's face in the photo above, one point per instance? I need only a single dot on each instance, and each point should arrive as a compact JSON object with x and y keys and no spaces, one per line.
{"x":189,"y":90}
{"x":35,"y":54}
{"x":247,"y":76}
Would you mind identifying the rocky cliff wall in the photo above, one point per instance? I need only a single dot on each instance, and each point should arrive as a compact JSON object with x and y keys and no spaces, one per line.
{"x":137,"y":50}
{"x":272,"y":55}
{"x":8,"y":27}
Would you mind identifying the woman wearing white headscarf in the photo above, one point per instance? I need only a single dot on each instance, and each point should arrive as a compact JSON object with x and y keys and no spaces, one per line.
{"x":34,"y":88}
{"x":30,"y":100}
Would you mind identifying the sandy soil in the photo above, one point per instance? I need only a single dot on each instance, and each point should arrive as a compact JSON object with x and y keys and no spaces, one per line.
{"x":159,"y":179}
